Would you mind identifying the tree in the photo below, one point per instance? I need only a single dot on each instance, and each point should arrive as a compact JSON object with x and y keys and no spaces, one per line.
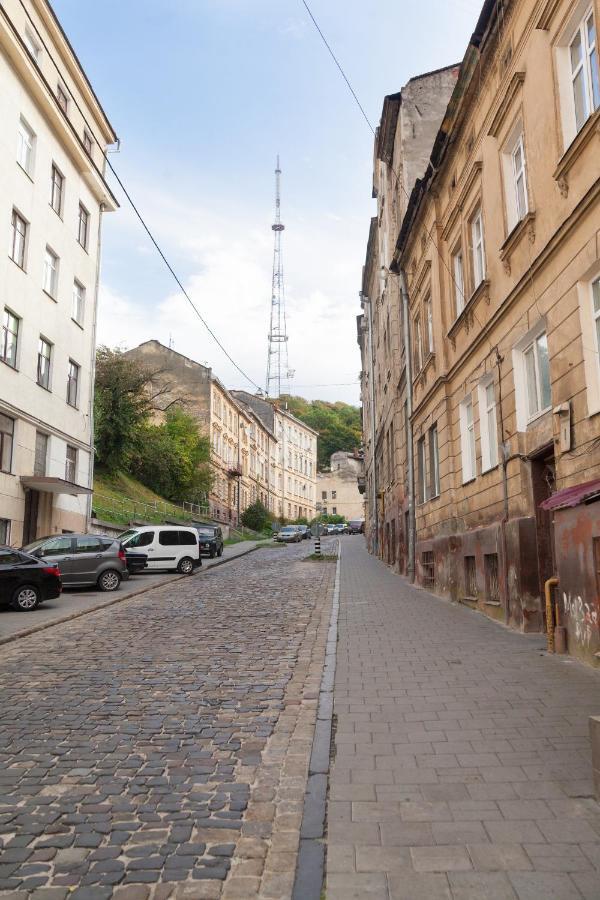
{"x":339,"y":424}
{"x":174,"y":459}
{"x":256,"y":516}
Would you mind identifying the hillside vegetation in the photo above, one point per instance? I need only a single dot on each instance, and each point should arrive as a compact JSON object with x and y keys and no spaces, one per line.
{"x":339,"y":424}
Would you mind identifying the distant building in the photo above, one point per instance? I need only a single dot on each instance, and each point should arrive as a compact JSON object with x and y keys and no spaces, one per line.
{"x":337,"y":490}
{"x":52,"y":196}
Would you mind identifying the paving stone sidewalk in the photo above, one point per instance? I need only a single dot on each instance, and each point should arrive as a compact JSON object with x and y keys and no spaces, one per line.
{"x":462,"y":759}
{"x":159,"y":748}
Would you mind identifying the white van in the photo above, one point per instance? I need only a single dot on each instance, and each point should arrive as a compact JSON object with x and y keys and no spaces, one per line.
{"x":172,"y":547}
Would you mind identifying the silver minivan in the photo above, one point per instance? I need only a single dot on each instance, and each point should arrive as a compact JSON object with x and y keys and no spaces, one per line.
{"x":83,"y":559}
{"x":166,"y":546}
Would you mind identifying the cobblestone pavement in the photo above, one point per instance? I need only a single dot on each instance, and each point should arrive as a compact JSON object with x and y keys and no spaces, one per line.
{"x":160,"y":747}
{"x":462,"y":760}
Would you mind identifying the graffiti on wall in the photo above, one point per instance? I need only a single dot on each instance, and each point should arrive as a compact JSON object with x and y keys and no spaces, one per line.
{"x":584,"y":618}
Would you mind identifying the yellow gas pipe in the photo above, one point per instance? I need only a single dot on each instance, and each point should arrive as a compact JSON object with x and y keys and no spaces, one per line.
{"x":550,"y":583}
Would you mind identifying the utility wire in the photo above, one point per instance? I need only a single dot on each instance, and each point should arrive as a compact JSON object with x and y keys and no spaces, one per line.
{"x":135,"y":208}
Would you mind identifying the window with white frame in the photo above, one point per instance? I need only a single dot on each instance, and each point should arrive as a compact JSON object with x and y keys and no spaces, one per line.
{"x":421,"y":471}
{"x":25,"y":146}
{"x":578,"y":70}
{"x":50,"y":282}
{"x":532,"y":376}
{"x":434,"y":462}
{"x":9,"y":338}
{"x":41,"y":453}
{"x":57,"y":185}
{"x":44,"y":362}
{"x":18,"y":239}
{"x":477,"y":249}
{"x":83,"y":226}
{"x":73,"y":383}
{"x":78,"y":302}
{"x":467,"y":440}
{"x":515,"y":177}
{"x":7,"y":436}
{"x":488,"y":424}
{"x":71,"y":464}
{"x":428,"y":319}
{"x":88,"y":143}
{"x":589,"y":316}
{"x":418,"y":345}
{"x":62,"y":97}
{"x":596,"y":314}
{"x":458,"y":274}
{"x":32,"y":45}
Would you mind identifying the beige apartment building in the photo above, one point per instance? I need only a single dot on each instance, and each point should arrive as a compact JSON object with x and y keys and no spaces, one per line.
{"x":258,"y":451}
{"x":500,"y":250}
{"x":53,"y":195}
{"x":337,"y":489}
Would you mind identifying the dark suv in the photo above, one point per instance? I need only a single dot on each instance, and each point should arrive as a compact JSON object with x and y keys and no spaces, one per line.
{"x":83,"y":559}
{"x":210,"y":538}
{"x":26,"y":582}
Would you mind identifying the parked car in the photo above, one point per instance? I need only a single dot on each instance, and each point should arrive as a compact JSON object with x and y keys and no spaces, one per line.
{"x":337,"y":528}
{"x":356,"y":526}
{"x":136,"y":562}
{"x":83,"y":559}
{"x":304,"y":531}
{"x":172,"y":547}
{"x":211,"y":540}
{"x":25,"y":581}
{"x":289,"y":534}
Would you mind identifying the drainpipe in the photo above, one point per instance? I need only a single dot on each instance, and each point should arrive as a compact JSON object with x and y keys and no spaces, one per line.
{"x":504,"y":519}
{"x":93,"y":369}
{"x":367,"y":302}
{"x":409,"y":428}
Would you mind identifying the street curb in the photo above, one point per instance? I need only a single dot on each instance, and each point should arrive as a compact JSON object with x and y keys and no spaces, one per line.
{"x":86,"y":612}
{"x":310,"y":869}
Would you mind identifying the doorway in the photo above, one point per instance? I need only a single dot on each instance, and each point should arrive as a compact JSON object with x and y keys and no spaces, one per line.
{"x":30,"y":516}
{"x":543,"y":482}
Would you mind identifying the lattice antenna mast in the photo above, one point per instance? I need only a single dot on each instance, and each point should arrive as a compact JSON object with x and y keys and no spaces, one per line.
{"x":277,"y":361}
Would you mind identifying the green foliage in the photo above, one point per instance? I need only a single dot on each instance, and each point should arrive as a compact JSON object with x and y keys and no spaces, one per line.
{"x":121,"y":408}
{"x":339,"y":424}
{"x":174,"y":459}
{"x":256,"y":516}
{"x":330,"y":520}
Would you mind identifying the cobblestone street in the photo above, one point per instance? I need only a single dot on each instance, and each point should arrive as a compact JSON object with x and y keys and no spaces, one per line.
{"x":462,"y":757}
{"x":160,"y":747}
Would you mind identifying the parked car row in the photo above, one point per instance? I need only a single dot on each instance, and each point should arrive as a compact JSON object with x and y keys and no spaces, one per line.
{"x":39,"y":571}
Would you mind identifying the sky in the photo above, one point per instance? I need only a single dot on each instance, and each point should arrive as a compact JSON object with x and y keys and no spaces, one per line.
{"x":204,"y":94}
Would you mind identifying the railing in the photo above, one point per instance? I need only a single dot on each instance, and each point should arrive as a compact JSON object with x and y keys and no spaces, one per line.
{"x":125,"y":509}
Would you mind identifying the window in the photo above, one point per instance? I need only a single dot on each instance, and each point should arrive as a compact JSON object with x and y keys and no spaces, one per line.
{"x":4,"y":531}
{"x":168,"y":538}
{"x":32,"y":45}
{"x":334,"y":495}
{"x":62,"y":97}
{"x":421,"y":469}
{"x":596,"y":312}
{"x":72,"y":383}
{"x":477,"y":249}
{"x":57,"y":183}
{"x":492,"y":585}
{"x":187,"y":539}
{"x":57,"y":546}
{"x":141,"y":540}
{"x":418,"y":348}
{"x":7,"y":433}
{"x":83,"y":226}
{"x":519,"y":178}
{"x":41,"y":453}
{"x":89,"y":544}
{"x":428,"y":320}
{"x":25,"y":146}
{"x":18,"y":239}
{"x":323,"y":494}
{"x":596,"y":550}
{"x":71,"y":464}
{"x":428,"y":568}
{"x":585,"y":80}
{"x":50,"y":283}
{"x":334,"y":510}
{"x":467,"y":440}
{"x":9,"y":339}
{"x":515,"y":177}
{"x":78,"y":302}
{"x":470,"y":577}
{"x":88,"y":143}
{"x":489,"y":428}
{"x":434,"y":463}
{"x":43,"y":363}
{"x":537,"y":373}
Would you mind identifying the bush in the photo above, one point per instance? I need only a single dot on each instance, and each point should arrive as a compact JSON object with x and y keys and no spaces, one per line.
{"x":256,"y":517}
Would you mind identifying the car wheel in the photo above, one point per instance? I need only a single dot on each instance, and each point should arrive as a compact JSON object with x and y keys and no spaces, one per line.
{"x":212,"y":553}
{"x":220,"y":553}
{"x":185,"y":566}
{"x":109,"y":580}
{"x":26,"y":598}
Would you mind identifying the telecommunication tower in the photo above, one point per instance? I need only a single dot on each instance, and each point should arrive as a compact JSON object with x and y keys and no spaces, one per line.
{"x":277,"y":361}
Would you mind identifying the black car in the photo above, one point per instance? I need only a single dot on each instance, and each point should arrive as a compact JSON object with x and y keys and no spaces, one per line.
{"x":25,"y":581}
{"x":210,"y":538}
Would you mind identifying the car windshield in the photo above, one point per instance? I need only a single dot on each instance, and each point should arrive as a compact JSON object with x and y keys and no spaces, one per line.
{"x":206,"y":532}
{"x":289,"y":529}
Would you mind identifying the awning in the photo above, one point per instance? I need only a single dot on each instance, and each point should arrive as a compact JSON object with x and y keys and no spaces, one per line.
{"x":573,"y":496}
{"x":52,"y":485}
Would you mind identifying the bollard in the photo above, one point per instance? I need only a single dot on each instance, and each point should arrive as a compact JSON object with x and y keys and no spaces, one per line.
{"x":318,"y":545}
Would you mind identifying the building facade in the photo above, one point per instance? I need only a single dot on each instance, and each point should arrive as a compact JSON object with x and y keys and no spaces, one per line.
{"x":53,"y":194}
{"x":499,"y":249}
{"x":337,"y":489}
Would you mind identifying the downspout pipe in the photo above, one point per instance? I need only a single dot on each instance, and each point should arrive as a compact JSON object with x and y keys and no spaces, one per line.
{"x":411,"y":568}
{"x":367,"y":303}
{"x":505,"y":511}
{"x":92,"y":461}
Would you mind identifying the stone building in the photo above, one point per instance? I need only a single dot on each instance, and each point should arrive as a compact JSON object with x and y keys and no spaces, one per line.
{"x":53,"y":195}
{"x":499,"y":246}
{"x":337,"y":489}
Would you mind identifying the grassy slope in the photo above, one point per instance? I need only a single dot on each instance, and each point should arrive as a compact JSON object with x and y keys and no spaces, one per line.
{"x":111,"y":493}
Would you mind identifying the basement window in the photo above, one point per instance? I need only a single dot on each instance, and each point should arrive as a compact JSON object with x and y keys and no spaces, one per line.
{"x":470,"y":577}
{"x":492,"y":588}
{"x":428,"y":567}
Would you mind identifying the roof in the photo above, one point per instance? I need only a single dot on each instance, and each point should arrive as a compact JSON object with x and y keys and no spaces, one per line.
{"x":573,"y":496}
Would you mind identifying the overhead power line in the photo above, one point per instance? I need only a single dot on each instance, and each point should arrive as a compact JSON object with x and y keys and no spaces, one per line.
{"x":139,"y":215}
